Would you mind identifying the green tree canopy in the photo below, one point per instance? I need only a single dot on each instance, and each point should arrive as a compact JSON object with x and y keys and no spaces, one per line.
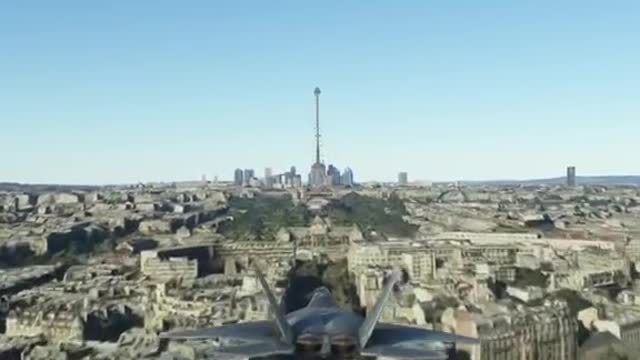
{"x":381,"y":215}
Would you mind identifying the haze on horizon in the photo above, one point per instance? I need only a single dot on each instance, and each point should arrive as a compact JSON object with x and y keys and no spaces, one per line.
{"x":122,"y":92}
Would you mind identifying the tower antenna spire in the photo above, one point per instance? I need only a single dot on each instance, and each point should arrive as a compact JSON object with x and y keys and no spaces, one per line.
{"x":316,"y":92}
{"x":318,"y":174}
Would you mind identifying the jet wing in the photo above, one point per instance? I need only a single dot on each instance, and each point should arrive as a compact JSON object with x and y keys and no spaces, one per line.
{"x":268,"y":348}
{"x":388,"y":334}
{"x":258,"y":330}
{"x":402,"y":352}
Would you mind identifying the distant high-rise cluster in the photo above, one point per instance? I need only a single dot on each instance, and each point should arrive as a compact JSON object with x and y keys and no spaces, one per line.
{"x":571,"y":176}
{"x":332,"y":177}
{"x":403,"y":179}
{"x":289,"y":179}
{"x":270,"y":180}
{"x":292,"y":179}
{"x":243,"y":177}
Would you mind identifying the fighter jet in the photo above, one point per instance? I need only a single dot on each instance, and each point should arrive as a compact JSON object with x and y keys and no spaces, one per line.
{"x":323,"y":330}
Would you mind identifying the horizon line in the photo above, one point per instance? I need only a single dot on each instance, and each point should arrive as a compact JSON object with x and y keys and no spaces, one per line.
{"x":363,"y":181}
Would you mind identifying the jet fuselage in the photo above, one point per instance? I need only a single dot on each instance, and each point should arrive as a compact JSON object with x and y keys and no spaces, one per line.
{"x":323,"y":328}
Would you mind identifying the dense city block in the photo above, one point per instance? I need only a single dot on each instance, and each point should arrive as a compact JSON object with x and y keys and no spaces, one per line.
{"x":533,"y":271}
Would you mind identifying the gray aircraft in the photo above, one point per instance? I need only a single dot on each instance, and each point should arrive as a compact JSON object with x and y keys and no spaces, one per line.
{"x":322,"y":329}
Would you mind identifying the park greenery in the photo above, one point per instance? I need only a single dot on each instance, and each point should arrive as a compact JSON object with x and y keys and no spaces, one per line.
{"x":383,"y":216}
{"x":261,"y":218}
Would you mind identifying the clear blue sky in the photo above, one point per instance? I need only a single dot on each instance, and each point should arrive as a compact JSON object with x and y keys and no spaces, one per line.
{"x":125,"y":91}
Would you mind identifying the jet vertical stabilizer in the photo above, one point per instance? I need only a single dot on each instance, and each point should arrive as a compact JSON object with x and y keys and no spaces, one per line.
{"x":369,"y":324}
{"x":286,"y":333}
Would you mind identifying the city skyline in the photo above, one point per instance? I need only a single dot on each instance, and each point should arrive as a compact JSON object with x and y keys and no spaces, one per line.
{"x":387,"y":178}
{"x":441,"y":91}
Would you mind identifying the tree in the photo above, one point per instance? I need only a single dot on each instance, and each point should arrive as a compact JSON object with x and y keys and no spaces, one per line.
{"x":258,"y":229}
{"x":528,"y":277}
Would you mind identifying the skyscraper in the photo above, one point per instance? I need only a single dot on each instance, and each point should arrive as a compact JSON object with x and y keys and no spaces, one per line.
{"x":334,"y":175}
{"x":238,"y":178}
{"x":571,"y":176}
{"x":268,"y":177}
{"x":403,"y":179}
{"x":277,"y":180}
{"x":248,"y":175}
{"x":289,"y":176}
{"x":347,"y":177}
{"x":318,"y":174}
